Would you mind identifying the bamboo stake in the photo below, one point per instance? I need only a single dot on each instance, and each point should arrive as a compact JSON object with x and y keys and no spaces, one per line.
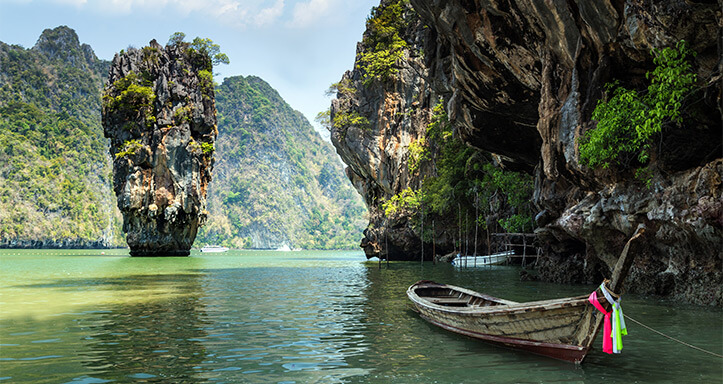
{"x":421,"y":235}
{"x":476,"y":225}
{"x":459,"y":217}
{"x":466,"y":232}
{"x":434,"y":245}
{"x":386,"y":246}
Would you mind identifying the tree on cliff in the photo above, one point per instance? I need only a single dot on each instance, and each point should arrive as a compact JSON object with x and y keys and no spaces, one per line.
{"x":201,"y":45}
{"x":384,"y":41}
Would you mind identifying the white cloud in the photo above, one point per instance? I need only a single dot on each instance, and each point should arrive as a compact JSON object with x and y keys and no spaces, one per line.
{"x":76,"y":3}
{"x":306,"y":14}
{"x":269,"y":15}
{"x":239,"y":13}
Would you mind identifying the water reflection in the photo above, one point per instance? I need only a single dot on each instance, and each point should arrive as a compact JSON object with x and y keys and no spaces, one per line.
{"x":300,"y":317}
{"x":152,"y":339}
{"x":406,"y":349}
{"x":284,"y":324}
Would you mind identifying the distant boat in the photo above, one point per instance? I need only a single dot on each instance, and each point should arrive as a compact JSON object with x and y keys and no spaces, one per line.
{"x":479,"y":261}
{"x":283,"y":248}
{"x":214,"y":248}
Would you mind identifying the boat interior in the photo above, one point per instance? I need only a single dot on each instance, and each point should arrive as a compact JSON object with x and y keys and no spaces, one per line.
{"x":452,"y":298}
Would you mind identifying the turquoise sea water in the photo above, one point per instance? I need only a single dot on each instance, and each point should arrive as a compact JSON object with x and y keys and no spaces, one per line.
{"x":80,"y":316}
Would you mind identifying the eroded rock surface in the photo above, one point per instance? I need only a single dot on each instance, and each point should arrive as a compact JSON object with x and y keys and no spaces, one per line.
{"x":521,"y":79}
{"x":159,"y":112}
{"x":397,"y":112}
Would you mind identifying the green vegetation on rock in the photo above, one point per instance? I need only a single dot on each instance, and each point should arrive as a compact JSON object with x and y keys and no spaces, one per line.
{"x":55,"y":174}
{"x":276,"y":182}
{"x":384,"y":42}
{"x":134,"y":96}
{"x":628,"y":119}
{"x":129,"y":148}
{"x":466,"y":180}
{"x":345,"y":119}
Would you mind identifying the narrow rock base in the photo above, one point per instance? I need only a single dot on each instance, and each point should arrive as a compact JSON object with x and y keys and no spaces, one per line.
{"x":154,"y":253}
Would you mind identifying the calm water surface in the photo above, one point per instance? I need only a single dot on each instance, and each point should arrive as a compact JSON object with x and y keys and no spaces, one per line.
{"x":295,"y":317}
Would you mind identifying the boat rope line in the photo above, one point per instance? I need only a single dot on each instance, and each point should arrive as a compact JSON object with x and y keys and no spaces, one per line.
{"x":673,"y":338}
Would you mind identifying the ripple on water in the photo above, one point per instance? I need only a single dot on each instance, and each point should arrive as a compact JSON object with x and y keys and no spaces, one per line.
{"x":317,"y":322}
{"x":142,"y":376}
{"x":88,"y":380}
{"x":40,"y":358}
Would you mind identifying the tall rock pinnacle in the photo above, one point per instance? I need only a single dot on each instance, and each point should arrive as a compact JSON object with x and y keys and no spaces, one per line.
{"x":160,"y":114}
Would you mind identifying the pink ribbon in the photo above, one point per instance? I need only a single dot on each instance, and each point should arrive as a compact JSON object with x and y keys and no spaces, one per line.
{"x":607,"y":330}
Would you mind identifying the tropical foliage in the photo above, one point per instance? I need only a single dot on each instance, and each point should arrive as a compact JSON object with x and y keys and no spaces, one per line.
{"x":627,"y":120}
{"x":203,"y":46}
{"x":383,"y":40}
{"x":275,"y":181}
{"x":55,"y":174}
{"x":466,"y":182}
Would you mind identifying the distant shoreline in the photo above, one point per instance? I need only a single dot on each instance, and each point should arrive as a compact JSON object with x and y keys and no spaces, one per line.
{"x":56,"y":244}
{"x":6,"y":246}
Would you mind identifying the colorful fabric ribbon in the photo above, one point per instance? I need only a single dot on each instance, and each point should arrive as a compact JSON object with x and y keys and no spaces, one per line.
{"x":614,"y":322}
{"x":618,"y":325}
{"x":607,"y":341}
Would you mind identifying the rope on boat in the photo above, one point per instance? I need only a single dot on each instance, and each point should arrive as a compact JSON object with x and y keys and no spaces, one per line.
{"x":672,"y":338}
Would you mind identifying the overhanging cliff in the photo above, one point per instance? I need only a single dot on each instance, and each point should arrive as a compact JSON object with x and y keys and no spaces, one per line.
{"x":521,"y":79}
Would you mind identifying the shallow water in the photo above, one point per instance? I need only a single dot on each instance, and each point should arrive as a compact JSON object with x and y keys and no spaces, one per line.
{"x":295,"y":317}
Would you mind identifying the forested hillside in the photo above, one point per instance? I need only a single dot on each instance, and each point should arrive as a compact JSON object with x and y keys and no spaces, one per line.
{"x":55,"y":174}
{"x":276,"y":182}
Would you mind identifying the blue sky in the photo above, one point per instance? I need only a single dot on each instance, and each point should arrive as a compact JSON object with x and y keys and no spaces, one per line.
{"x":299,"y":47}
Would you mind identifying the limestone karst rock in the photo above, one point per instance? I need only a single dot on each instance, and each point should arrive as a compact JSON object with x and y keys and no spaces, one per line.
{"x":397,"y":112}
{"x":160,"y":116}
{"x":520,"y":80}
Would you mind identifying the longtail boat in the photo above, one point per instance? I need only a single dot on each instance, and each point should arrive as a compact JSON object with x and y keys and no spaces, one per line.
{"x":563,"y":328}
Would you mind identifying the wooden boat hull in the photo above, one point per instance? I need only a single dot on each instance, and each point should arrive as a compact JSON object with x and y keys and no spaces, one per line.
{"x":573,"y":354}
{"x":482,"y":261}
{"x":562,"y":329}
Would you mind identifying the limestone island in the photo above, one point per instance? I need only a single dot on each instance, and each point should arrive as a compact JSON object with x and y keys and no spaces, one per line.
{"x":160,"y":116}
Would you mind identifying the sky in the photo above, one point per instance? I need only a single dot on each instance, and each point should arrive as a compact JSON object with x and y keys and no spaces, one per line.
{"x":299,"y":47}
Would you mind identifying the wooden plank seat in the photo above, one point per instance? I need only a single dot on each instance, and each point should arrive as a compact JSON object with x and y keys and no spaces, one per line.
{"x":449,"y":300}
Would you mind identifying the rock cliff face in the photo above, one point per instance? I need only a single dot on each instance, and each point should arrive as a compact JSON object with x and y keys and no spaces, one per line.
{"x":521,"y":79}
{"x":397,"y":112}
{"x":159,"y":112}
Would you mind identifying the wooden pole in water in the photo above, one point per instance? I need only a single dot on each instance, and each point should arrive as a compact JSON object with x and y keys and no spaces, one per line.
{"x":386,"y":245}
{"x":476,"y":217}
{"x":459,"y":217}
{"x":489,"y":243}
{"x":507,"y":246}
{"x":466,"y":232}
{"x":434,"y":245}
{"x":421,"y":235}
